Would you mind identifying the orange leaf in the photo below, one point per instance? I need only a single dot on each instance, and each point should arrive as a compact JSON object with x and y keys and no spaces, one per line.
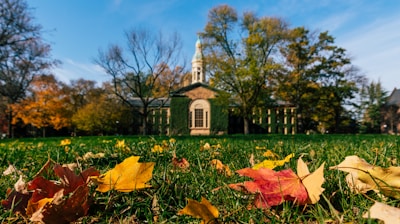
{"x":203,"y":210}
{"x":180,"y":163}
{"x":271,"y":187}
{"x":221,"y":168}
{"x":127,"y":176}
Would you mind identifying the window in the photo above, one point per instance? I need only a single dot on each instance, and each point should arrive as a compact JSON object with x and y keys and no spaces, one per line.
{"x":199,"y":113}
{"x":198,"y":118}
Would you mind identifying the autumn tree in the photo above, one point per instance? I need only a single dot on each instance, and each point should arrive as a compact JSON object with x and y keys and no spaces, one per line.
{"x":239,"y":53}
{"x":23,"y":54}
{"x":139,"y":70}
{"x":317,"y":77}
{"x":103,"y":114}
{"x":45,"y":106}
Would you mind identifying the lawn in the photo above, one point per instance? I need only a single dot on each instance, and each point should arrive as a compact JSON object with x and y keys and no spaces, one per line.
{"x":171,"y":186}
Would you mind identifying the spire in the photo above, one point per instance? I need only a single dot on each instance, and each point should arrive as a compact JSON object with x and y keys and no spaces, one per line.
{"x":197,"y":64}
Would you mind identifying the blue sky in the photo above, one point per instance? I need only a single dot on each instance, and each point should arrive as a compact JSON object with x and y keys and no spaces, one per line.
{"x":368,"y":29}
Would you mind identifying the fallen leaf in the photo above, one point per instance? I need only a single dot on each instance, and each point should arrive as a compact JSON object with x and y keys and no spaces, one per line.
{"x":364,"y":177}
{"x":272,"y":187}
{"x":127,"y":176}
{"x":271,"y":164}
{"x":206,"y":146}
{"x":221,"y":168}
{"x":42,"y":188}
{"x":251,"y":160}
{"x":384,"y":212}
{"x":181,"y":163}
{"x":47,"y":189}
{"x":17,"y":198}
{"x":20,"y":186}
{"x":312,"y":182}
{"x":10,"y":170}
{"x":217,"y":146}
{"x":157,"y":149}
{"x":91,"y":155}
{"x":120,"y":144}
{"x":70,"y":181}
{"x":203,"y":210}
{"x":270,"y":154}
{"x":155,"y":209}
{"x":60,"y":209}
{"x":71,"y":166}
{"x":65,"y":142}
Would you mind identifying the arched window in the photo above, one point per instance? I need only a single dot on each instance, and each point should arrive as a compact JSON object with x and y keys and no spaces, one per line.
{"x":199,"y":114}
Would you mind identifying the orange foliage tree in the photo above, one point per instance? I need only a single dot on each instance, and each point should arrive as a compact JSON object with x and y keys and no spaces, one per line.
{"x":46,"y":105}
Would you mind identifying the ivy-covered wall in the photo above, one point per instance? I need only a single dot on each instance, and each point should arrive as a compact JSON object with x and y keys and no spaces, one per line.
{"x":158,"y":121}
{"x":179,"y":115}
{"x":219,"y":117}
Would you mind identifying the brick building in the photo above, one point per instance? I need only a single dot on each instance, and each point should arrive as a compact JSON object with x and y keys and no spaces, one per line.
{"x":193,"y":110}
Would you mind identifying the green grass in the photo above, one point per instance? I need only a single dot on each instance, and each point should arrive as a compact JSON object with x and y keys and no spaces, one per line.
{"x":171,"y":187}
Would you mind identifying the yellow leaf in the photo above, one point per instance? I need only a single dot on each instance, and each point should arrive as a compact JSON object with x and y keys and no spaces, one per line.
{"x":271,"y":164}
{"x":206,"y":146}
{"x":172,"y":141}
{"x":127,"y":176}
{"x":384,"y":212}
{"x":120,"y":144}
{"x":260,"y":147}
{"x":157,"y":148}
{"x":203,"y":210}
{"x":65,"y":142}
{"x":312,"y":182}
{"x":363,"y":177}
{"x":271,"y":154}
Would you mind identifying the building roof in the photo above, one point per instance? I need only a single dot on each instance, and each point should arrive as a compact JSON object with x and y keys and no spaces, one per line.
{"x":154,"y":103}
{"x":181,"y":91}
{"x":394,"y":98}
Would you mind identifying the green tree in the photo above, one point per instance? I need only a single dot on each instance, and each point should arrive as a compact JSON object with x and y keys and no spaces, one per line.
{"x":317,"y":78}
{"x":239,"y":54}
{"x":373,"y":98}
{"x":150,"y":58}
{"x":23,"y":54}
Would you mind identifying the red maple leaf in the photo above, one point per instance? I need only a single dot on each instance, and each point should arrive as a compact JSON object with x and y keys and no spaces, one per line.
{"x":63,"y":200}
{"x":17,"y":201}
{"x":70,"y":181}
{"x":64,"y":209}
{"x":272,"y":187}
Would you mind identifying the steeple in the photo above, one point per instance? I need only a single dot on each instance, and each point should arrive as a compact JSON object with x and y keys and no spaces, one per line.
{"x":198,"y":74}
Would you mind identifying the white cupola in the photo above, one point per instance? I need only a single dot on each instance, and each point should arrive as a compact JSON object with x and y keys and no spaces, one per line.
{"x":198,"y":74}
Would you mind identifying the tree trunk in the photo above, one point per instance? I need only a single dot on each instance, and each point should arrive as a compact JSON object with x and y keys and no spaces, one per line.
{"x":145,"y":122}
{"x":246,"y":126}
{"x":144,"y":131}
{"x":10,"y":126}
